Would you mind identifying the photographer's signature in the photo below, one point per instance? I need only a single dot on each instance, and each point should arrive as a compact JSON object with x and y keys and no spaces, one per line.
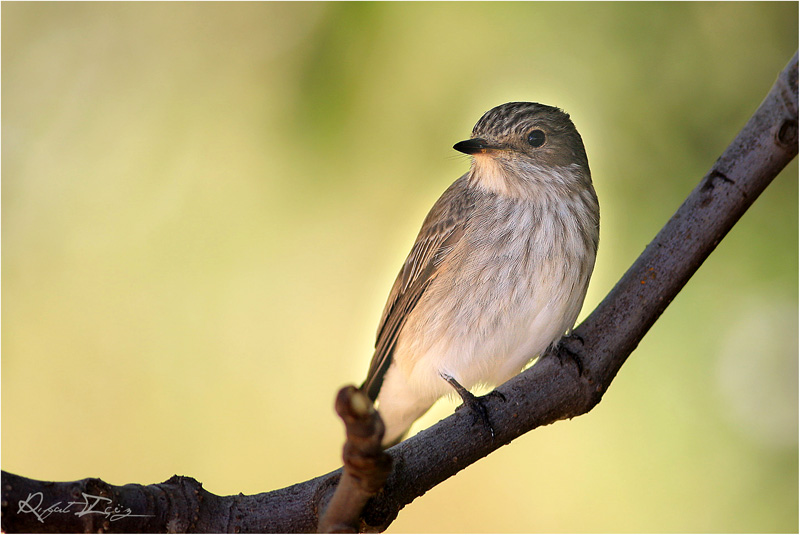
{"x":91,"y":505}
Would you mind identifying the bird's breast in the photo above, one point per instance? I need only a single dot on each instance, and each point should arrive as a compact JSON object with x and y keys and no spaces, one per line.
{"x":512,"y":285}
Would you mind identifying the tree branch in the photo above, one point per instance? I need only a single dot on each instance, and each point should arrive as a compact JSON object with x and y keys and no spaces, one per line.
{"x":366,"y":464}
{"x":547,"y":392}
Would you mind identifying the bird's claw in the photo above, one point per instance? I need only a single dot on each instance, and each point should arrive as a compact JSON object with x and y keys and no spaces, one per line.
{"x":475,"y":404}
{"x":565,"y":354}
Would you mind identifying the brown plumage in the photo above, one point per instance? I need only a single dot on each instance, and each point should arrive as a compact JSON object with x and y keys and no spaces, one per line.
{"x":499,"y":269}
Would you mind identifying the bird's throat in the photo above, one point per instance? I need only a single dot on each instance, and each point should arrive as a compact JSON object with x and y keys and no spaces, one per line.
{"x":493,"y":175}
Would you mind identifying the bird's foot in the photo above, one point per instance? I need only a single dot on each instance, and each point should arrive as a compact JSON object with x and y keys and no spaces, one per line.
{"x":475,"y":404}
{"x":565,"y":352}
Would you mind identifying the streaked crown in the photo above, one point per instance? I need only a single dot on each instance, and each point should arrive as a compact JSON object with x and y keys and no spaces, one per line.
{"x":542,"y":132}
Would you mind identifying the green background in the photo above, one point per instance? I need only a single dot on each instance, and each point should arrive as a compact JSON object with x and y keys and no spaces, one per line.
{"x":204,"y":207}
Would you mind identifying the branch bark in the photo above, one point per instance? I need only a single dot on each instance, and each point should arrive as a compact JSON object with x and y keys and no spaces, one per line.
{"x":549,"y":391}
{"x":366,"y":464}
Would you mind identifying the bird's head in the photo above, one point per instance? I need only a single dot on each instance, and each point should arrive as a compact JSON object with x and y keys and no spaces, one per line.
{"x":520,"y":147}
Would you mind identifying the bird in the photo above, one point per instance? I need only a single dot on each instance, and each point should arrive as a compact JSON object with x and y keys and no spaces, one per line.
{"x":498,"y":272}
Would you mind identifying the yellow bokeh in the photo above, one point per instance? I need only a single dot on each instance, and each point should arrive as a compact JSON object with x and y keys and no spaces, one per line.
{"x":204,"y":206}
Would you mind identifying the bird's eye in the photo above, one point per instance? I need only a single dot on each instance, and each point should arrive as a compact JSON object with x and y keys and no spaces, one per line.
{"x":536,"y":138}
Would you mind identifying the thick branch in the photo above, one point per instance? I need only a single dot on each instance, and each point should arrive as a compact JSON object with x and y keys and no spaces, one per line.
{"x":547,"y":392}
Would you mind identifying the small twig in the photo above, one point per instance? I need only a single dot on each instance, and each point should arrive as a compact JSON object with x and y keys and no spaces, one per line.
{"x":366,"y":464}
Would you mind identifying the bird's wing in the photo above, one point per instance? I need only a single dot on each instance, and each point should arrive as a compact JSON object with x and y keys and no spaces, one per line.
{"x":443,"y":228}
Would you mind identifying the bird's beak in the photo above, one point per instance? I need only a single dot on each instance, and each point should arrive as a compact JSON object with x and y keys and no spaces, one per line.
{"x":475,"y":146}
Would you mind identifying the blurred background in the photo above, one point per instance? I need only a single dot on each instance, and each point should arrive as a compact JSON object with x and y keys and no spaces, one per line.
{"x":204,"y":207}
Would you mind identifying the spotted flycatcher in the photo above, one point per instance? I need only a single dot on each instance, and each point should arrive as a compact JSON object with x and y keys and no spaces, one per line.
{"x":499,"y":270}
